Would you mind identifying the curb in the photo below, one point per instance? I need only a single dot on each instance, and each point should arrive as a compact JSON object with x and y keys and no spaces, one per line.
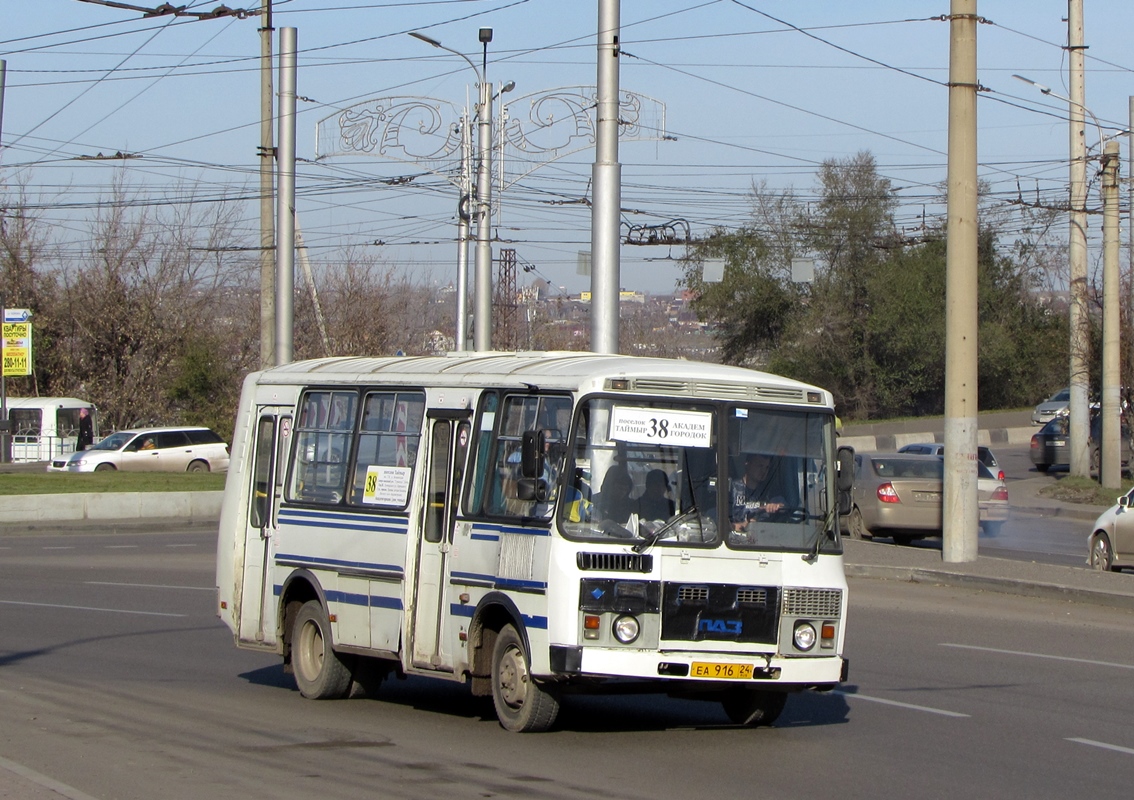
{"x":1029,"y":588}
{"x":109,"y":507}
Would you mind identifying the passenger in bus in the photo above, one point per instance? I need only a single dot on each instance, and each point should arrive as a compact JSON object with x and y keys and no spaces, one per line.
{"x":755,"y":495}
{"x":654,"y":502}
{"x":613,"y":507}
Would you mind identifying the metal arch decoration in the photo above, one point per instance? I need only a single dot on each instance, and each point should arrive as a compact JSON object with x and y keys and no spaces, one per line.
{"x":556,"y":123}
{"x":417,"y":130}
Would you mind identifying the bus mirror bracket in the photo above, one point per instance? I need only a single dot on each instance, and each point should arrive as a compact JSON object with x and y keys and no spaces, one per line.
{"x":531,"y":454}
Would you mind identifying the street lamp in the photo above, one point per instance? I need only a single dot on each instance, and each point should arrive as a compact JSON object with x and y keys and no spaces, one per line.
{"x":482,"y":268}
{"x":1110,"y":458}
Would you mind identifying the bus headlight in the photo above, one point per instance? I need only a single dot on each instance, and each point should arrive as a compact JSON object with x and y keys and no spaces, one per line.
{"x":626,"y":629}
{"x":804,"y":636}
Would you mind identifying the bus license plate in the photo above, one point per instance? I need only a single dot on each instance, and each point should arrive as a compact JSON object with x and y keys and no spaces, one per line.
{"x":719,"y":671}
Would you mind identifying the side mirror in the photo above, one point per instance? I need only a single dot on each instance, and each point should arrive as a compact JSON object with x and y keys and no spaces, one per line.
{"x":844,"y":481}
{"x":531,"y":454}
{"x":532,"y":489}
{"x":1124,"y":501}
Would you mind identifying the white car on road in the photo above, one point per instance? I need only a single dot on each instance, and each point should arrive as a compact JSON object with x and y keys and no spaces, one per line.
{"x":180,"y":449}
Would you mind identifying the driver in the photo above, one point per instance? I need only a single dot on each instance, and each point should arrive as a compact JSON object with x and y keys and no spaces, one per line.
{"x":754,"y":496}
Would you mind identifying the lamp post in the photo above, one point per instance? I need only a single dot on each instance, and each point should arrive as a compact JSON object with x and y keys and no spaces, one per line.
{"x":1077,"y":256}
{"x":482,"y":266}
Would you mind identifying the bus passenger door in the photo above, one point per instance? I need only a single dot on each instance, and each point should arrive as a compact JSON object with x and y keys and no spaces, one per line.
{"x":448,"y":446}
{"x":269,"y":456}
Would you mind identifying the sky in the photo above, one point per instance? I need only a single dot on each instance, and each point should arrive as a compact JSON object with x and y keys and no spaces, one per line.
{"x":733,"y":92}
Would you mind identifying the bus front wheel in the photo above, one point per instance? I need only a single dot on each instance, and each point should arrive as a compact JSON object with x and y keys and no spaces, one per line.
{"x":319,"y":672}
{"x":522,"y":705}
{"x":753,"y":706}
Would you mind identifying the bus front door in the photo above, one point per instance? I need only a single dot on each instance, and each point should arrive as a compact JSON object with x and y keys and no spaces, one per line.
{"x":269,"y":455}
{"x":448,"y":446}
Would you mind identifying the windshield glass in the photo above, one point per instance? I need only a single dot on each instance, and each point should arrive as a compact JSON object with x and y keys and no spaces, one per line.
{"x":642,"y":470}
{"x":780,"y":494}
{"x":114,"y":441}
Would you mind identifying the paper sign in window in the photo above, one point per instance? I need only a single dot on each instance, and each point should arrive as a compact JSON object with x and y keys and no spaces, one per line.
{"x":386,"y":486}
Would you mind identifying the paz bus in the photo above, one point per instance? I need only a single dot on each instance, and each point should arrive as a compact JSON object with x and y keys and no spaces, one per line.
{"x":481,"y":518}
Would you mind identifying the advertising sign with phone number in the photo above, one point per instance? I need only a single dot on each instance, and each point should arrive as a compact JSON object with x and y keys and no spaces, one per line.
{"x":661,"y":426}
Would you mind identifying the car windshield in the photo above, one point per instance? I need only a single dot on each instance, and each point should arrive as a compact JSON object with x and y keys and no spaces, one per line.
{"x":1060,"y":396}
{"x":652,"y":472}
{"x":114,"y":441}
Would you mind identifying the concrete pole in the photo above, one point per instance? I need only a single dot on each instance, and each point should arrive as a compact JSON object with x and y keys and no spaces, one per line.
{"x":463,"y":217}
{"x":5,"y":437}
{"x":961,"y":509}
{"x":1079,"y":407}
{"x":267,"y":198}
{"x":285,"y":204}
{"x":482,"y":279}
{"x":606,"y":186}
{"x":1110,"y":467}
{"x":1130,"y":221}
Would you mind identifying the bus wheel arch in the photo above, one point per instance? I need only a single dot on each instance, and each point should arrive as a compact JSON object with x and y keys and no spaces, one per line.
{"x":493,"y":612}
{"x":299,"y":587}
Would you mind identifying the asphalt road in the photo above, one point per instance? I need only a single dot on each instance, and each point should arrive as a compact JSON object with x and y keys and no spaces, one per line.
{"x":117,"y":681}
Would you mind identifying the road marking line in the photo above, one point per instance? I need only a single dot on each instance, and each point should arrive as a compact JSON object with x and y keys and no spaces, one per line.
{"x":90,"y":608}
{"x":152,"y":586}
{"x":63,"y":789}
{"x":121,"y":547}
{"x":1104,"y":745}
{"x":1039,"y":655}
{"x":59,"y":547}
{"x":181,"y":545}
{"x":910,"y":706}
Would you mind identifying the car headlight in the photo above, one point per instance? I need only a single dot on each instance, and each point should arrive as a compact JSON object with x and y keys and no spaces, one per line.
{"x":626,"y":629}
{"x":804,"y":636}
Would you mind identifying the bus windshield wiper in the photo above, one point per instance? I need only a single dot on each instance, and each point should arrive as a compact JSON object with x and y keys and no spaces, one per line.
{"x":828,"y":526}
{"x":650,"y":538}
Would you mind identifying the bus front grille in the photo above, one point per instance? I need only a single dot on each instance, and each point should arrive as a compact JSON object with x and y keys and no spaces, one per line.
{"x":615,"y":562}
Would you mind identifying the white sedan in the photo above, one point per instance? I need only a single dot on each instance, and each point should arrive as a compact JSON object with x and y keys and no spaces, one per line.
{"x":182,"y":449}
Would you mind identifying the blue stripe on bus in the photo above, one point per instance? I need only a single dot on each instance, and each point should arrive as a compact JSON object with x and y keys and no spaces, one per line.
{"x":502,"y":583}
{"x":458,"y":610}
{"x":375,"y":601}
{"x":344,"y":521}
{"x":489,"y":528}
{"x":312,"y":561}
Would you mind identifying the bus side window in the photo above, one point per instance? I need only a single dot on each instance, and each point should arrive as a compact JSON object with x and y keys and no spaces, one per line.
{"x":322,"y":446}
{"x":389,"y":438}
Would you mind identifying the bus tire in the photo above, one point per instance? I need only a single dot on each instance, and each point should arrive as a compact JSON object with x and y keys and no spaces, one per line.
{"x":753,"y":707}
{"x":522,"y":704}
{"x":319,"y":672}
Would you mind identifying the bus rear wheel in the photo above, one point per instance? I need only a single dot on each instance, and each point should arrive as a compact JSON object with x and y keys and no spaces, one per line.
{"x":753,"y":706}
{"x":319,"y":672}
{"x":522,"y":704}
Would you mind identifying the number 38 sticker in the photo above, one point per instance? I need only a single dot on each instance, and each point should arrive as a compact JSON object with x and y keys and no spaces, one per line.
{"x":661,"y":426}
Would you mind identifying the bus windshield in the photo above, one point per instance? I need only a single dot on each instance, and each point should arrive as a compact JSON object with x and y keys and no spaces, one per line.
{"x":647,"y":471}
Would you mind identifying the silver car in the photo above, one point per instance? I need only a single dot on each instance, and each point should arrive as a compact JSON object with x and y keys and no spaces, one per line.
{"x":1110,"y":544}
{"x":1052,"y":407}
{"x":180,"y":449}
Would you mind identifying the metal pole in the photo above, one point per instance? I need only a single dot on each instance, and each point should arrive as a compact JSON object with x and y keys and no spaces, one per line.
{"x":1130,"y":218}
{"x":961,"y":509}
{"x":460,"y":340}
{"x":267,"y":198}
{"x":482,"y":280}
{"x":1110,"y":466}
{"x":1079,"y":406}
{"x":5,"y":439}
{"x":606,"y":182}
{"x":285,"y":204}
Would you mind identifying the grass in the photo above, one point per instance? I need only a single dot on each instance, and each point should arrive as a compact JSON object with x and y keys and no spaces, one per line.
{"x":69,"y":482}
{"x":1073,"y":489}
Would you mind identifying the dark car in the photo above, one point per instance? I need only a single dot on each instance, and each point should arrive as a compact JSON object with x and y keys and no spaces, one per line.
{"x":984,"y":454}
{"x":1050,"y":445}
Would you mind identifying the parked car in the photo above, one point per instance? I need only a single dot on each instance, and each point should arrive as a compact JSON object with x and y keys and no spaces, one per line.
{"x":984,"y":454}
{"x":1052,"y":407}
{"x":171,"y":449}
{"x":1049,"y":447}
{"x":900,"y":496}
{"x":1110,"y":545}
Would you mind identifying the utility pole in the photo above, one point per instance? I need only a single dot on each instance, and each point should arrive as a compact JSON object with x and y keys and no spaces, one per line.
{"x":5,"y":436}
{"x":961,"y":509}
{"x":267,"y":152}
{"x":1110,"y":466}
{"x":482,"y":279}
{"x":1079,"y":406}
{"x":606,"y":187}
{"x":460,"y":340}
{"x":285,"y":203}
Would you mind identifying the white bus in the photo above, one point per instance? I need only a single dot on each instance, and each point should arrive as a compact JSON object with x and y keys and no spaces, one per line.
{"x":46,"y":427}
{"x":445,"y":516}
